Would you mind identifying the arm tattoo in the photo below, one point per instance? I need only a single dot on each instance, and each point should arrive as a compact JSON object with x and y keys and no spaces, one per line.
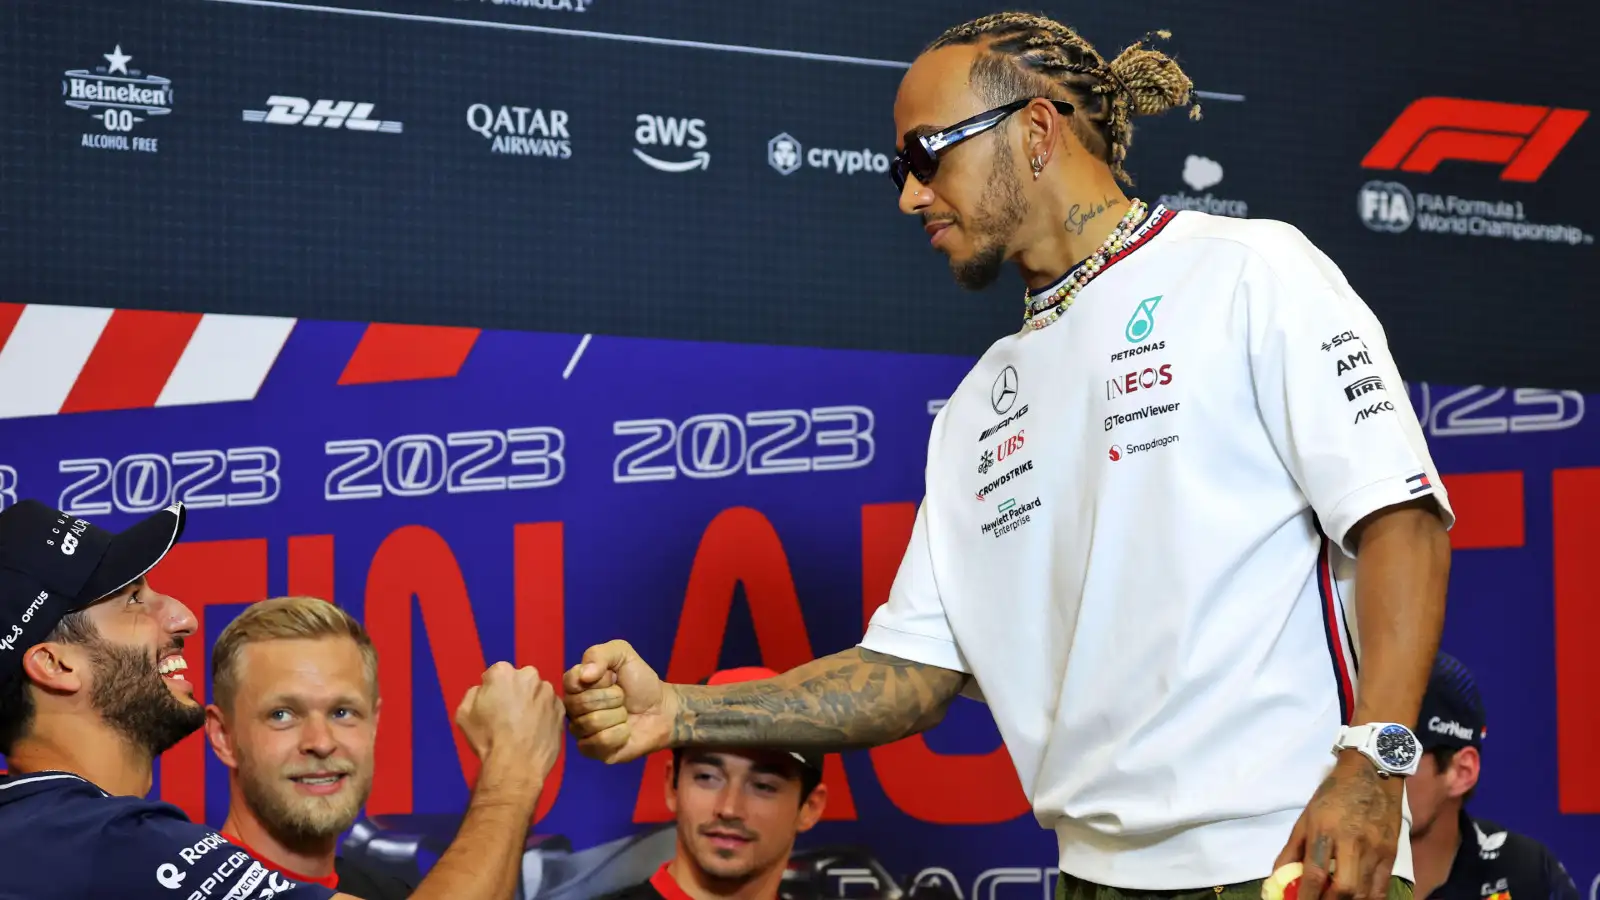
{"x":846,"y":701}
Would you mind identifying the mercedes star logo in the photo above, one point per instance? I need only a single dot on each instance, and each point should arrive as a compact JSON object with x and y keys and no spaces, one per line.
{"x":1004,"y":392}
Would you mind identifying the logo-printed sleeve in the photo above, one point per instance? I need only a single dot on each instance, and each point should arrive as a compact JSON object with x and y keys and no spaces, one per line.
{"x":1334,"y":404}
{"x":156,"y":854}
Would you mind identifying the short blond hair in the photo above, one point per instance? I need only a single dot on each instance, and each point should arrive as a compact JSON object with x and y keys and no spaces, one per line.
{"x":284,"y":618}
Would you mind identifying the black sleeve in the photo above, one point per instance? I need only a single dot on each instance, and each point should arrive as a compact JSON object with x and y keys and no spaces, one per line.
{"x":1556,"y":879}
{"x":366,"y":883}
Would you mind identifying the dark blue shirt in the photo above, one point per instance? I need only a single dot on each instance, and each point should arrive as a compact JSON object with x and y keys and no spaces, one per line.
{"x":1495,"y":863}
{"x":62,"y":838}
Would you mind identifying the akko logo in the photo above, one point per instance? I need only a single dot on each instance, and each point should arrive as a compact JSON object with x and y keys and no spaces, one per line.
{"x":1144,"y":379}
{"x":1373,"y":410}
{"x":671,"y":132}
{"x":1525,"y":139}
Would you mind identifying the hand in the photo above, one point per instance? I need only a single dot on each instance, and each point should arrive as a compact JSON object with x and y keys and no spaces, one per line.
{"x":1353,"y":821}
{"x":618,"y":707}
{"x":514,"y":714}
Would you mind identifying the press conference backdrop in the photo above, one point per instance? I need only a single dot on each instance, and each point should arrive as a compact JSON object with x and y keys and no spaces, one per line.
{"x":693,"y":170}
{"x":657,"y":198}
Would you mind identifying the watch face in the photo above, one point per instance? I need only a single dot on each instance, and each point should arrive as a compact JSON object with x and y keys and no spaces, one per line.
{"x":1397,"y":748}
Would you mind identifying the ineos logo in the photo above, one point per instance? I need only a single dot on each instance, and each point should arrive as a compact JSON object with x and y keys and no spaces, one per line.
{"x":1004,"y":392}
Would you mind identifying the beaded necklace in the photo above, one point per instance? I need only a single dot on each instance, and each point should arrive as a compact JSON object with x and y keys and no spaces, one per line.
{"x":1040,"y":311}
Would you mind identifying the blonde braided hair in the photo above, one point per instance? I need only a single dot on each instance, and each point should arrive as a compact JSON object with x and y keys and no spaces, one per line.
{"x":1030,"y":54}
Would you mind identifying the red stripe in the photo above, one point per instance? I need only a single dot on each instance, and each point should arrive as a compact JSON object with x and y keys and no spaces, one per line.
{"x":408,"y":353}
{"x":131,"y":362}
{"x":9,"y":314}
{"x":1489,"y":510}
{"x":1341,"y":667}
{"x":1575,"y":494}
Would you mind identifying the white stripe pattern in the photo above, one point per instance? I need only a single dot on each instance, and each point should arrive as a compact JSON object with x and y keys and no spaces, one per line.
{"x":226,"y":359}
{"x":40,"y":363}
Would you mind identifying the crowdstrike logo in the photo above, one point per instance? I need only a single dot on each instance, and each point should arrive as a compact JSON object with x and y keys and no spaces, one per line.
{"x":983,"y":492}
{"x":786,"y":155}
{"x":674,"y":133}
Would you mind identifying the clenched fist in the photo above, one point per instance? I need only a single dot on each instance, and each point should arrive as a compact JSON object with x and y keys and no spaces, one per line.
{"x":515,"y":715}
{"x":618,"y":707}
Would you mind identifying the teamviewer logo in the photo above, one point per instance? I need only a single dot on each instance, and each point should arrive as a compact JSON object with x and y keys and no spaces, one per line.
{"x":783,"y":154}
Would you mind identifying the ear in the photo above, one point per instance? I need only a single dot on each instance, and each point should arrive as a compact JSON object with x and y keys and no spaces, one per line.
{"x":221,"y":740}
{"x":670,"y":792}
{"x":56,"y":668}
{"x":811,"y":809}
{"x":377,"y":710}
{"x":1465,"y":767}
{"x":1042,"y":131}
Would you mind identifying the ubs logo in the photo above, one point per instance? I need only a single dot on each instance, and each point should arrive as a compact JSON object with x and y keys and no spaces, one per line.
{"x":1003,"y":394}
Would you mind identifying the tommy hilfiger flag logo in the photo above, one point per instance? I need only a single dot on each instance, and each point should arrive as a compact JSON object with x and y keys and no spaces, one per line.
{"x":1419,"y":483}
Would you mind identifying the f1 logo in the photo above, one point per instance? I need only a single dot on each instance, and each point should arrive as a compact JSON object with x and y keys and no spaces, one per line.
{"x":1433,"y":129}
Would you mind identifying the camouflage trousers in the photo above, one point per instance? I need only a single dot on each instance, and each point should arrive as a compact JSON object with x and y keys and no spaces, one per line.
{"x":1070,"y":888}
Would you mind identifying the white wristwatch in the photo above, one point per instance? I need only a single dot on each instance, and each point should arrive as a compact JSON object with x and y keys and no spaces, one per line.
{"x":1393,"y":749}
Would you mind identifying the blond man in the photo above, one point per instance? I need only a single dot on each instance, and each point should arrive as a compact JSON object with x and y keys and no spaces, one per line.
{"x":295,"y":720}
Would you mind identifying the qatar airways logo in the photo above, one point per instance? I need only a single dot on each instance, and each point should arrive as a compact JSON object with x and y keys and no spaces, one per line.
{"x":1142,"y":380}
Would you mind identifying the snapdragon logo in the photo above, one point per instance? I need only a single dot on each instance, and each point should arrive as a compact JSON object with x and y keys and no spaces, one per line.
{"x":786,"y":155}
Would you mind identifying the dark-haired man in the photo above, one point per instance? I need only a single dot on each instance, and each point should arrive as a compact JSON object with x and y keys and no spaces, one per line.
{"x":1162,"y":520}
{"x":93,"y":688}
{"x":1461,"y":856}
{"x":738,"y":810}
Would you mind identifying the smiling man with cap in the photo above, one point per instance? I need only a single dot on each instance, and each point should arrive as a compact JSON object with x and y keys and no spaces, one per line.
{"x":738,"y":811}
{"x":93,"y":689}
{"x":1459,"y":856}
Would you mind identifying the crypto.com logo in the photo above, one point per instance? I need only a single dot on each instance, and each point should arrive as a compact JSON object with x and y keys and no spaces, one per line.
{"x":1434,"y":129}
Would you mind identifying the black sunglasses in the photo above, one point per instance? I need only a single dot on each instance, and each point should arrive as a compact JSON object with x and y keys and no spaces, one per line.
{"x":921,"y":154}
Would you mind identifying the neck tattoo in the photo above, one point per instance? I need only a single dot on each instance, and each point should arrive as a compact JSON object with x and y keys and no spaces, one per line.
{"x":1040,"y":311}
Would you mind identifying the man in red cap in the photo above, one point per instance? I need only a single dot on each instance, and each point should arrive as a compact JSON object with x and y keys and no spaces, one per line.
{"x":738,"y":812}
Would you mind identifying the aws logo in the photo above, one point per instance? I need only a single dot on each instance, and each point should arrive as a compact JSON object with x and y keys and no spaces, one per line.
{"x":664,"y":134}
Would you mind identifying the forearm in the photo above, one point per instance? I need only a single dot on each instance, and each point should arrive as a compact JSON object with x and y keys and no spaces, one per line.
{"x":484,"y":861}
{"x":1402,"y":573}
{"x":853,"y":699}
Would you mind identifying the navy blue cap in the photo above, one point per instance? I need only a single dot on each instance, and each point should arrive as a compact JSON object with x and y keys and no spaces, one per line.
{"x":1452,"y":709}
{"x":53,"y":564}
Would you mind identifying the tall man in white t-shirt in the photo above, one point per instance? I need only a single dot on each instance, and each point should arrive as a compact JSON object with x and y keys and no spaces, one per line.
{"x":1181,"y":531}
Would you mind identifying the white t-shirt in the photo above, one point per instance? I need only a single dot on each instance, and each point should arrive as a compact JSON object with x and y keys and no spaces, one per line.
{"x":1134,"y":538}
